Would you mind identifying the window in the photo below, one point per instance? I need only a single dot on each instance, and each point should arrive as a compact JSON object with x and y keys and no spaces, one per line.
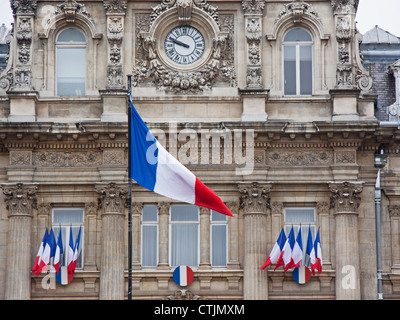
{"x":65,"y":220}
{"x":300,"y":217}
{"x":71,"y":62}
{"x":219,"y":233}
{"x":297,"y":64}
{"x":184,"y":235}
{"x":149,"y":236}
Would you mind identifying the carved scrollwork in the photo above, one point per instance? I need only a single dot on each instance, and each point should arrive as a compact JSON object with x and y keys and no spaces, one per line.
{"x":254,"y":196}
{"x":345,"y":196}
{"x":20,"y":199}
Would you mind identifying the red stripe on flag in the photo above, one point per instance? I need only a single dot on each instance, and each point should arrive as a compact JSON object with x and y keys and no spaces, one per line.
{"x":205,"y":197}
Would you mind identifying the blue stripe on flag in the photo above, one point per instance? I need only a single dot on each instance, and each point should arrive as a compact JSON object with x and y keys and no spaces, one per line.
{"x":144,"y":152}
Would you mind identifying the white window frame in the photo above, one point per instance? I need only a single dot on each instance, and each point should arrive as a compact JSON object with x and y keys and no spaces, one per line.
{"x":297,"y":45}
{"x":60,"y":45}
{"x":66,"y":239}
{"x":171,"y":223}
{"x":154,"y":224}
{"x":219,"y":223}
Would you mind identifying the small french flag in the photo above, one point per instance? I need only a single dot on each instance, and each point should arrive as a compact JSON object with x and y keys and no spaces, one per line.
{"x":183,"y":276}
{"x":156,"y":169}
{"x":301,"y":275}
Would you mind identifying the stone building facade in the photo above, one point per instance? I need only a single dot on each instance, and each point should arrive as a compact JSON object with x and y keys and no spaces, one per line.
{"x":272,"y":110}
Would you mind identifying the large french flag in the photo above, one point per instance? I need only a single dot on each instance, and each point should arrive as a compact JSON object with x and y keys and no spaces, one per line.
{"x":36,"y":269}
{"x":276,"y":250}
{"x":154,"y":168}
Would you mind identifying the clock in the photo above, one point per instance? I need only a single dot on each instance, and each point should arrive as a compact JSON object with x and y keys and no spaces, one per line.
{"x":184,"y":45}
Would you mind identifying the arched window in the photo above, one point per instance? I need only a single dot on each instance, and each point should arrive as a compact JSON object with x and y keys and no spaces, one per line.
{"x":71,"y":62}
{"x":297,"y":64}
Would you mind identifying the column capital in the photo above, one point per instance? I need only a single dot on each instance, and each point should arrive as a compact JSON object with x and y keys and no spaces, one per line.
{"x":163,"y":208}
{"x":20,"y":199}
{"x":112,"y":198}
{"x":345,"y":196}
{"x":254,"y":196}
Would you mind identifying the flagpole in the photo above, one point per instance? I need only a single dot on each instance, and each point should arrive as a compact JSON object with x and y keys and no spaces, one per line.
{"x":129,"y":192}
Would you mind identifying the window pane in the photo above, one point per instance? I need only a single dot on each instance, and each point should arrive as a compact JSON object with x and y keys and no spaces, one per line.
{"x":184,"y":245}
{"x":290,"y":69}
{"x":184,"y":213}
{"x":149,"y":213}
{"x":216,"y":216}
{"x":305,"y":70}
{"x":71,"y":71}
{"x":297,"y":34}
{"x":67,"y":216}
{"x":299,"y":215}
{"x":149,"y":246}
{"x":218,"y":237}
{"x":71,"y":35}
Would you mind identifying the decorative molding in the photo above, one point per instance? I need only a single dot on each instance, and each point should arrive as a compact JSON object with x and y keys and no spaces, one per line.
{"x":115,"y":6}
{"x":70,"y":9}
{"x":297,"y":9}
{"x":183,"y":294}
{"x":253,"y":7}
{"x":20,"y":199}
{"x":299,"y":157}
{"x":184,"y":9}
{"x":344,"y":6}
{"x":115,"y":29}
{"x":345,"y":196}
{"x":112,"y":198}
{"x":394,"y":210}
{"x":277,"y":208}
{"x":67,"y":159}
{"x":44,"y":209}
{"x":254,"y":197}
{"x":23,"y":7}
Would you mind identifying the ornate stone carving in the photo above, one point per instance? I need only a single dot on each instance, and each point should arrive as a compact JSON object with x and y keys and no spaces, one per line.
{"x":276,"y":208}
{"x":253,"y":7}
{"x":299,"y":158}
{"x":115,"y":6}
{"x":67,"y":159}
{"x":184,"y":8}
{"x":394,"y":210}
{"x":44,"y":209}
{"x":254,"y":196}
{"x":297,"y":9}
{"x":115,"y":79}
{"x":23,"y":6}
{"x":150,"y":71}
{"x":323,"y":207}
{"x":91,"y":208}
{"x":20,"y":199}
{"x":70,"y":8}
{"x":112,"y":198}
{"x":344,"y":6}
{"x":345,"y":157}
{"x":21,"y":158}
{"x":183,"y":294}
{"x":345,"y":196}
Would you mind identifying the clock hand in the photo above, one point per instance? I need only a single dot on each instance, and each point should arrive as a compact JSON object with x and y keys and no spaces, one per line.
{"x":179,"y":43}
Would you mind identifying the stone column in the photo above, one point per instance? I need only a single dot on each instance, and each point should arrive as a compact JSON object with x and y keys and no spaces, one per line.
{"x":137,"y":208}
{"x":345,"y":199}
{"x":254,"y":199}
{"x":20,"y":200}
{"x":112,"y":202}
{"x":163,"y":214}
{"x":205,"y":261}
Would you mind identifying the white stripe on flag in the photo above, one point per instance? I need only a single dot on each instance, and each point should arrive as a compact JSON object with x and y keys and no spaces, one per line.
{"x":183,"y":275}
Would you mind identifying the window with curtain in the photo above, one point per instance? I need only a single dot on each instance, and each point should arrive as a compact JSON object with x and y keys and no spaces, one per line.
{"x":303,"y":218}
{"x":184,"y":235}
{"x":149,"y":236}
{"x":64,"y":220}
{"x":219,"y":234}
{"x":298,"y":62}
{"x":71,"y":62}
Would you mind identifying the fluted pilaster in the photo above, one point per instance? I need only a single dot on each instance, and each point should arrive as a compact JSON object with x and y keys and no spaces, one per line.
{"x":20,"y":200}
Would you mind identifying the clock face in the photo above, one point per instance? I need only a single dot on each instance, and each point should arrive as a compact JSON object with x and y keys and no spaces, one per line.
{"x":184,"y":45}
